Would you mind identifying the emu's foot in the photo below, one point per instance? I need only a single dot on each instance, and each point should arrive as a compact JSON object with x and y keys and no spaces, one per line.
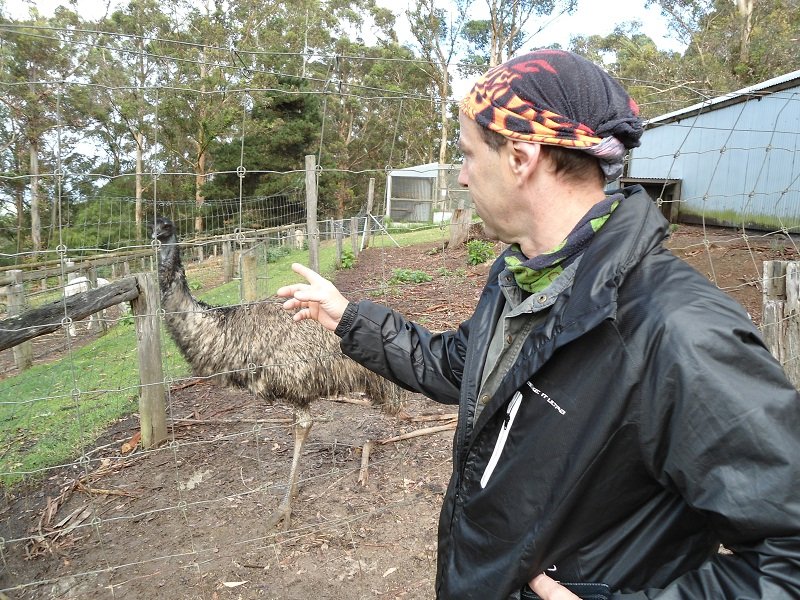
{"x":281,"y":515}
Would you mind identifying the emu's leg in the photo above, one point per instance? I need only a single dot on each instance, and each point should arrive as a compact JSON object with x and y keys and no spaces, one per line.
{"x":302,"y":425}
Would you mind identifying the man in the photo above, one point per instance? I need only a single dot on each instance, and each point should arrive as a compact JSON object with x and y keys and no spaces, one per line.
{"x":619,"y":416}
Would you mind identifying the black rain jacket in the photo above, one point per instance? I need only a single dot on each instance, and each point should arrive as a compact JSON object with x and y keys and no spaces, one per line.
{"x":643,"y":425}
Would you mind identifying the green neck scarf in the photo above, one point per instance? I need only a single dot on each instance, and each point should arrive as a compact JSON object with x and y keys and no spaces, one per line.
{"x":537,"y":273}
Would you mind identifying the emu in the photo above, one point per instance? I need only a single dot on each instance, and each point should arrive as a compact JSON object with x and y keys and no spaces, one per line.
{"x":77,"y":286}
{"x":260,"y":348}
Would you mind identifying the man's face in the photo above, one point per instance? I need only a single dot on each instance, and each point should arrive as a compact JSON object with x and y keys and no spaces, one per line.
{"x":486,"y":173}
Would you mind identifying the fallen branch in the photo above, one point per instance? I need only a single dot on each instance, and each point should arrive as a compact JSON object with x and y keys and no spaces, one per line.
{"x":419,"y":432}
{"x":90,"y":490}
{"x":179,"y":421}
{"x":427,"y":418}
{"x":363,"y":473}
{"x":360,"y":402}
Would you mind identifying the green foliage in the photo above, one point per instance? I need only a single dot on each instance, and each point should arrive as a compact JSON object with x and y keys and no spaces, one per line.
{"x":348,"y":259}
{"x":479,"y":251}
{"x":451,"y":274}
{"x":275,"y":253}
{"x":409,"y":276}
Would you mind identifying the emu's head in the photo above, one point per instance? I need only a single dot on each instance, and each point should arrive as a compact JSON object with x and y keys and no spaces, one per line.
{"x":164,"y":232}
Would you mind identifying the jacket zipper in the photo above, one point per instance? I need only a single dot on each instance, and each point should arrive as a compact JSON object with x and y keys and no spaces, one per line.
{"x":513,"y":407}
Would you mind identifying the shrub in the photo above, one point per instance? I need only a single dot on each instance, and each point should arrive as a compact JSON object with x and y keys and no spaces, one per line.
{"x":348,"y":259}
{"x":479,"y":251}
{"x":409,"y":276}
{"x":275,"y":253}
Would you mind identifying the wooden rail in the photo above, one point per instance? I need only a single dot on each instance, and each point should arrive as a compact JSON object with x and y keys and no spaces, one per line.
{"x":50,"y":317}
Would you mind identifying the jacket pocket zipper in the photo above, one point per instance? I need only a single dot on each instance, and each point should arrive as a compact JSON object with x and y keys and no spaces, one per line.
{"x":513,"y":407}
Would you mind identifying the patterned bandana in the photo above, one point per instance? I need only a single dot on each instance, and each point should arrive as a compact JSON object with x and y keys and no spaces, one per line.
{"x":558,"y":98}
{"x":535,"y":274}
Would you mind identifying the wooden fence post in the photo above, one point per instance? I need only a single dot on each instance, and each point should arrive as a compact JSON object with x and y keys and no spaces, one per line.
{"x":99,"y":322}
{"x":339,"y":234}
{"x":459,"y":225}
{"x":354,"y":235}
{"x":227,"y":262}
{"x":23,"y":353}
{"x":152,"y":413}
{"x":781,"y":315}
{"x":311,"y":212}
{"x":368,"y":222}
{"x":249,"y":276}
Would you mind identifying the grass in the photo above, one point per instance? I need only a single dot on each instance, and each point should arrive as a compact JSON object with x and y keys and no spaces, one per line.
{"x":52,"y":414}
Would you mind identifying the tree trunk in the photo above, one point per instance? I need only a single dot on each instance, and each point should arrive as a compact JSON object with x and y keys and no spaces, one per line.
{"x":139,"y":187}
{"x":746,"y":13}
{"x":36,"y":223}
{"x":200,"y":165}
{"x":199,"y":180}
{"x":441,"y":200}
{"x":19,"y":195}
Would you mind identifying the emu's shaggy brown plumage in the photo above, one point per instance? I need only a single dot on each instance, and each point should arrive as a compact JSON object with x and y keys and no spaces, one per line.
{"x":260,"y":348}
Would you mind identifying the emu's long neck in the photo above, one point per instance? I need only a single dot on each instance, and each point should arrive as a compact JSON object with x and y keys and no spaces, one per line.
{"x":175,"y":294}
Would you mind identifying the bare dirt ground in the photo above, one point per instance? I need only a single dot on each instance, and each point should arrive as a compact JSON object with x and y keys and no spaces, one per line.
{"x":188,"y":520}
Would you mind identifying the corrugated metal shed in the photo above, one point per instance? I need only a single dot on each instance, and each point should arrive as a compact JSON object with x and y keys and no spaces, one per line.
{"x":736,"y":157}
{"x":411,"y":193}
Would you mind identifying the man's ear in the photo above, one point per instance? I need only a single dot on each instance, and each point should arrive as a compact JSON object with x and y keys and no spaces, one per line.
{"x":524,"y":157}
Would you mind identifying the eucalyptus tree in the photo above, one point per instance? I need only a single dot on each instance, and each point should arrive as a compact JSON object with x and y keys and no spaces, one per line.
{"x":734,"y":43}
{"x":438,"y":35}
{"x":377,"y":114}
{"x":296,"y":71}
{"x":42,"y":62}
{"x":511,"y":25}
{"x":651,"y":76}
{"x":124,"y":65}
{"x":195,"y":104}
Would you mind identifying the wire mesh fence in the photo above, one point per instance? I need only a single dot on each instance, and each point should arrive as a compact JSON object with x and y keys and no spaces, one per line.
{"x":87,"y":511}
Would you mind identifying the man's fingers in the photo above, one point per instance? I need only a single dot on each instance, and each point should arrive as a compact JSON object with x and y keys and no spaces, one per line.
{"x":549,"y":589}
{"x":287,"y":291}
{"x":292,"y":304}
{"x":310,"y":275}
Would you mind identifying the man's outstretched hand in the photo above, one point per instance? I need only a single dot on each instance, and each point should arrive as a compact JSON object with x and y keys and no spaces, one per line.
{"x":318,"y":299}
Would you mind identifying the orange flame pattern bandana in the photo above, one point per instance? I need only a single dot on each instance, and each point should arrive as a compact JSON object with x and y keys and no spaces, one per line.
{"x":557,"y":98}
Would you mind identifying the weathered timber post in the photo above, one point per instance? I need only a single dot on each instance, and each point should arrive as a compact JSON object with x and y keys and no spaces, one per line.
{"x":227,"y":261}
{"x":249,"y":276}
{"x":368,"y":220}
{"x":781,"y":315}
{"x":23,"y":353}
{"x":354,"y":235}
{"x":311,"y":212}
{"x":152,"y":413}
{"x":339,"y":234}
{"x":99,"y":322}
{"x":71,"y":274}
{"x":459,"y":225}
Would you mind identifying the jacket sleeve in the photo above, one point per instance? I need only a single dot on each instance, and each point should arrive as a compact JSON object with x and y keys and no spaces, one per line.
{"x":385,"y":342}
{"x":721,"y":427}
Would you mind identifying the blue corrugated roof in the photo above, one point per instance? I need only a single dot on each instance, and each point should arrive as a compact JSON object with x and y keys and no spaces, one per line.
{"x":770,"y":86}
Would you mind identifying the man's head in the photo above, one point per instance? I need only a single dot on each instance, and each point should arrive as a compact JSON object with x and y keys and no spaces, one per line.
{"x":561,"y":101}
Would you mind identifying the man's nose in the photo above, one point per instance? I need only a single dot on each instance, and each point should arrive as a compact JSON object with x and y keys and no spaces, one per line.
{"x":462,"y":178}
